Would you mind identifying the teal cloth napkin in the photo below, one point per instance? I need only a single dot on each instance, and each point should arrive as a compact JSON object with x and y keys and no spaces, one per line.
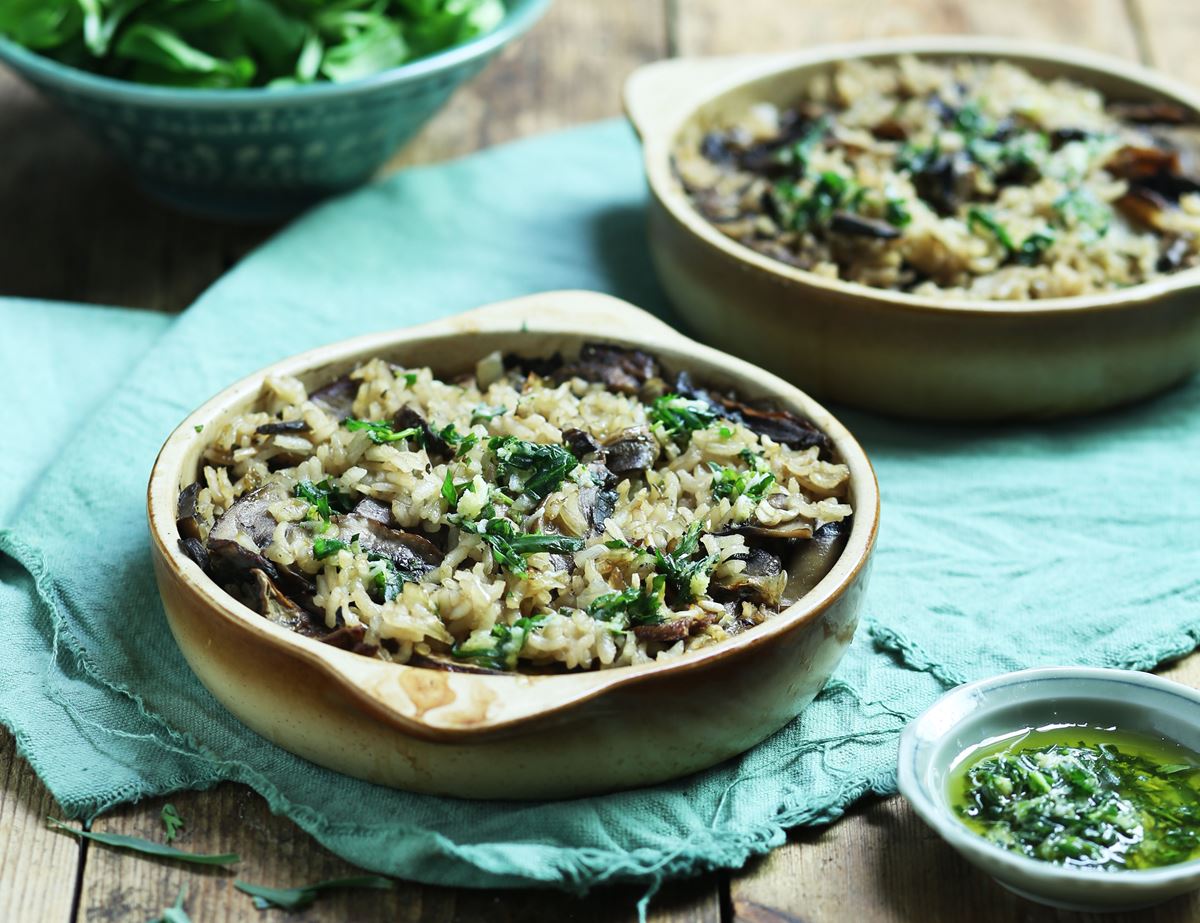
{"x":1000,"y":548}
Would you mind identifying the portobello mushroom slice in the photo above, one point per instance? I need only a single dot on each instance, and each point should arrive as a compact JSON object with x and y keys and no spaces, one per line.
{"x":276,"y":606}
{"x":597,"y":500}
{"x":337,"y":397}
{"x":237,"y":539}
{"x":1152,"y":169}
{"x":185,"y":511}
{"x":350,"y":638}
{"x":282,"y":427}
{"x":817,"y":557}
{"x":780,"y":426}
{"x":793,"y":529}
{"x":412,"y":554}
{"x":859,"y":226}
{"x":762,"y":581}
{"x":370,"y":508}
{"x":580,"y":443}
{"x":617,"y":368}
{"x":632,"y":452}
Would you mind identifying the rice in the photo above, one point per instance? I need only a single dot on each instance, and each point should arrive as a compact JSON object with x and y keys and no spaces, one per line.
{"x":535,"y":516}
{"x":955,"y":179}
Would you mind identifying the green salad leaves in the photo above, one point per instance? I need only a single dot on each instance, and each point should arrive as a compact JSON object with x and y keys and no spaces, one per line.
{"x":225,"y":44}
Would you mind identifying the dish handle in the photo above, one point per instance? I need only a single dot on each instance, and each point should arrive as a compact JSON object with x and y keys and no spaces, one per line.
{"x":657,"y":92}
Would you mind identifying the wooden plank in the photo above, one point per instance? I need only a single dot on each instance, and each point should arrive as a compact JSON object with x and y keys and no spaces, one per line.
{"x":720,"y":27}
{"x":231,"y":818}
{"x":37,"y":866}
{"x":568,"y":70}
{"x":1169,"y":29}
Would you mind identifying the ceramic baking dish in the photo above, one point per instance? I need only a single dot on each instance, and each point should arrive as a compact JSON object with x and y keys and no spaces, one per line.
{"x":510,"y":736}
{"x":892,"y":351}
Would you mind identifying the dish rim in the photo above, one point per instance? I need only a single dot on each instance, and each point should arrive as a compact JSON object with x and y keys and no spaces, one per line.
{"x":930,"y":806}
{"x":520,"y":17}
{"x":658,"y":139}
{"x":579,"y":314}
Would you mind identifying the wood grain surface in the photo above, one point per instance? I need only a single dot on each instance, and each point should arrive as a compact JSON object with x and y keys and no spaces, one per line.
{"x":75,"y":228}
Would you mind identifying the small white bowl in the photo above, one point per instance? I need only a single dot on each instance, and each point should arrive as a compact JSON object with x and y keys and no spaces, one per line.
{"x":1135,"y":702}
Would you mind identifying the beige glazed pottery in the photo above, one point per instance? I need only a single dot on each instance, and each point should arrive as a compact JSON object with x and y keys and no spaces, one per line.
{"x":891,"y":351}
{"x":511,"y":736}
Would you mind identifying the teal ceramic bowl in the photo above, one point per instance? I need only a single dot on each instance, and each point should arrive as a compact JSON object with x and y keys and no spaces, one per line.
{"x":263,"y":154}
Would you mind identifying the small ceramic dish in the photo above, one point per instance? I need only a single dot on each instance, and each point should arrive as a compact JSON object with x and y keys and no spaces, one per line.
{"x":964,"y":717}
{"x":511,"y":736}
{"x":257,"y":153}
{"x":892,"y":351}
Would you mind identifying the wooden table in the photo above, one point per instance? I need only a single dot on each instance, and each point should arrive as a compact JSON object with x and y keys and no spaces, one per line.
{"x":72,"y":227}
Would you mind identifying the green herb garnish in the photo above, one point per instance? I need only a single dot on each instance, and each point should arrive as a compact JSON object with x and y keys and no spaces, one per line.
{"x":731,"y":483}
{"x":299,"y":898}
{"x":541,"y":468}
{"x":500,"y":649}
{"x":380,"y":431}
{"x":797,"y":153}
{"x":681,"y":570}
{"x":146,"y":847}
{"x":171,"y":821}
{"x":462,"y":444}
{"x":324,"y":547}
{"x":323,"y":498}
{"x":982,"y":218}
{"x":483,"y":413}
{"x":509,"y":546}
{"x":1028,"y":252}
{"x":681,"y":416}
{"x":1033,"y":246}
{"x":410,"y":378}
{"x":387,"y":578}
{"x":633,"y":606}
{"x":1079,"y":207}
{"x":226,"y":44}
{"x":799,"y":211}
{"x":199,"y":427}
{"x":896,"y":212}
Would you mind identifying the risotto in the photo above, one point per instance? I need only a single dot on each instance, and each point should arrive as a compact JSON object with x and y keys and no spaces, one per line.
{"x":536,"y":515}
{"x":956,"y":179}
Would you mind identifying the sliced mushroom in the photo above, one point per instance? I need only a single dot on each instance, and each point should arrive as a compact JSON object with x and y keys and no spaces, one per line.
{"x":1144,"y":206}
{"x":411,"y":553}
{"x":817,"y":557}
{"x":337,"y":397}
{"x":279,"y":608}
{"x":860,"y":226}
{"x":632,"y":452}
{"x":789,"y":529}
{"x":1148,"y":112}
{"x":194,"y":549}
{"x":281,"y":427}
{"x":370,"y":508}
{"x":617,"y":368}
{"x":762,"y":581}
{"x":350,"y":638}
{"x":780,"y":426}
{"x":237,"y":539}
{"x":1174,"y":253}
{"x":435,"y":445}
{"x":945,"y":182}
{"x":580,"y":443}
{"x":1152,"y":169}
{"x":185,"y":512}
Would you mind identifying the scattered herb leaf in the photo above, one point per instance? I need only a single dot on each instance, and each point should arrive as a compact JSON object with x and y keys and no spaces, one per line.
{"x":681,"y":416}
{"x":147,"y":847}
{"x":299,"y":898}
{"x":171,"y":821}
{"x":499,"y":649}
{"x":540,"y":468}
{"x":380,"y":431}
{"x":632,"y":606}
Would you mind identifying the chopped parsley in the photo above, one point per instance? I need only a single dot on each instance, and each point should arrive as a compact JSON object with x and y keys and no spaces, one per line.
{"x":731,"y":483}
{"x":500,"y":649}
{"x":325,"y":547}
{"x":632,"y":606}
{"x":681,"y":416}
{"x":1079,"y":207}
{"x":797,"y":153}
{"x":483,"y":413}
{"x":387,"y":578}
{"x":380,"y":431}
{"x":509,"y":546}
{"x":323,"y":498}
{"x":199,"y":427}
{"x":540,"y":468}
{"x":681,"y":570}
{"x":461,"y":443}
{"x":799,"y":211}
{"x":1028,"y":252}
{"x":896,"y":212}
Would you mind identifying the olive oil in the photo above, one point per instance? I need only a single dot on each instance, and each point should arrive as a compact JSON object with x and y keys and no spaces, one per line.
{"x":1082,"y":796}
